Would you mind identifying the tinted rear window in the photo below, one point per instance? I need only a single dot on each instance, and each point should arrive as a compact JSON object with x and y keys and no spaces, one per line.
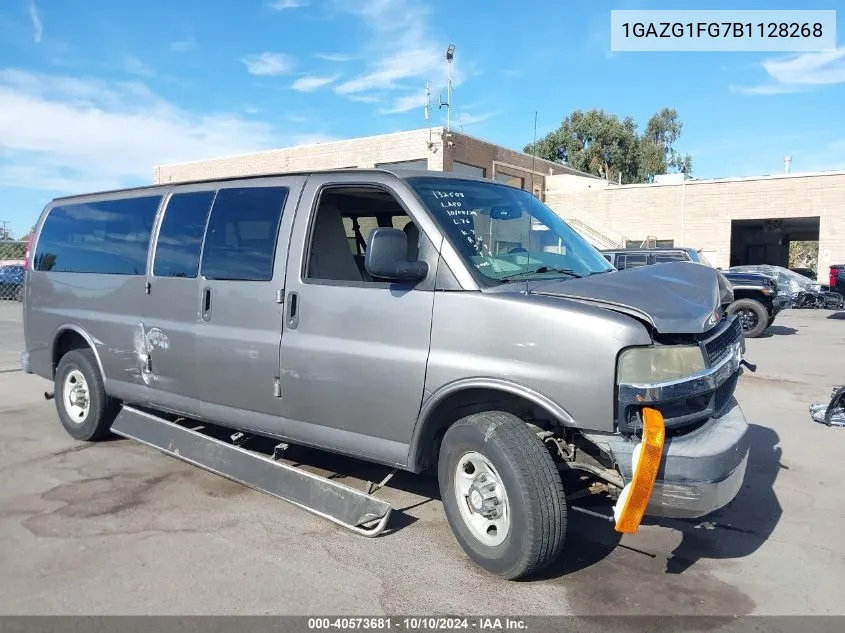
{"x":179,"y":240}
{"x":106,"y":236}
{"x":240,"y":243}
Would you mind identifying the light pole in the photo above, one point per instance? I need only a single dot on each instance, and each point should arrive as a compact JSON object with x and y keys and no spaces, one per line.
{"x":450,"y":55}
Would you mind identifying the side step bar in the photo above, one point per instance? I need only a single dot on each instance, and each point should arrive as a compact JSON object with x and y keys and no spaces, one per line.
{"x":341,"y":504}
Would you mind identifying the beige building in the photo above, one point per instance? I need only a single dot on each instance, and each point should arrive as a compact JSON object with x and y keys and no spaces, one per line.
{"x":732,"y":220}
{"x":433,"y":148}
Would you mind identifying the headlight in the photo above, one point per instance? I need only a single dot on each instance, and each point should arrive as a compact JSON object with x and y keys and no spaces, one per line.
{"x":640,"y":365}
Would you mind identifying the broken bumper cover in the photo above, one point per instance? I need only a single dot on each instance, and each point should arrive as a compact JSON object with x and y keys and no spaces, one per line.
{"x":700,"y":472}
{"x":26,"y":363}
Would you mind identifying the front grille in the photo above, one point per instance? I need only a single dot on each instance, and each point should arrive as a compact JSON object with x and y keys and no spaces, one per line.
{"x":719,"y":347}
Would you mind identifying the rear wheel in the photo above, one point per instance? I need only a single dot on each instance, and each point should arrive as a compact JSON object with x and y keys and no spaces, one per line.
{"x":752,"y":315}
{"x":502,"y":494}
{"x":19,"y":293}
{"x":86,"y":412}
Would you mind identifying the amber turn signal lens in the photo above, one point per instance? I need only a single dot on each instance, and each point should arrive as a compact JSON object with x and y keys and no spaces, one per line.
{"x":646,"y":462}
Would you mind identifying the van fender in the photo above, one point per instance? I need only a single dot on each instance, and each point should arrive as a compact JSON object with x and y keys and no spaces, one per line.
{"x":495,"y":384}
{"x":73,"y":327}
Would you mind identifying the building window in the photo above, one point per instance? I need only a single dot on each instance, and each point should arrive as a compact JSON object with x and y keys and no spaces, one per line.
{"x":468,"y":170}
{"x":421,"y":163}
{"x":513,"y":181}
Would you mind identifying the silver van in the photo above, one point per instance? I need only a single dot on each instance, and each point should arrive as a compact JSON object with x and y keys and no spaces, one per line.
{"x":414,"y":319}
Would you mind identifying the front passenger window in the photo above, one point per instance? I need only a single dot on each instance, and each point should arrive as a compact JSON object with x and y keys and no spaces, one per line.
{"x":341,"y":229}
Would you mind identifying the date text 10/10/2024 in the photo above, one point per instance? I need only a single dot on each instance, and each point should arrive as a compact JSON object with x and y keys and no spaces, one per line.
{"x":418,"y":624}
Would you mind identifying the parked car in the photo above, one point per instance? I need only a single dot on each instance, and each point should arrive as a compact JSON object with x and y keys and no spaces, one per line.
{"x":756,"y":299}
{"x":837,"y":279}
{"x":803,"y":292}
{"x":809,"y":273}
{"x":11,"y":282}
{"x":478,"y":335}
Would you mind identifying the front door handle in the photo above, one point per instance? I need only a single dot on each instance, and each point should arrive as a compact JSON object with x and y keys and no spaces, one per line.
{"x":292,"y":309}
{"x":206,"y":304}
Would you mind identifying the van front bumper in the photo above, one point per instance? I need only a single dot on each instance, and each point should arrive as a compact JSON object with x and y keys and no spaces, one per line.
{"x":700,"y":472}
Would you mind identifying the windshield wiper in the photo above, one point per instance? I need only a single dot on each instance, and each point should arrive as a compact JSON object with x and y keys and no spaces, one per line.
{"x":540,"y":270}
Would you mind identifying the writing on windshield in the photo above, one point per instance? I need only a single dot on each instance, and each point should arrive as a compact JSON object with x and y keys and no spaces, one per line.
{"x":506,"y":233}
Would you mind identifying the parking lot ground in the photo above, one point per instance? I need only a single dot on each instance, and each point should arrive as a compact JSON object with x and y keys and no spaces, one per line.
{"x":119,"y":528}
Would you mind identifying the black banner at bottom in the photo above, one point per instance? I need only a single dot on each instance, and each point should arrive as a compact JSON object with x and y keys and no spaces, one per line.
{"x":426,"y":624}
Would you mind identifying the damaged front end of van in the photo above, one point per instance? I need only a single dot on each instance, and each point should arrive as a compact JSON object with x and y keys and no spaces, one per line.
{"x":680,"y":440}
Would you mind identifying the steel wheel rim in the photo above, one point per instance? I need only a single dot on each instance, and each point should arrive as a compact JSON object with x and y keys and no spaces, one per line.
{"x":76,"y":396}
{"x":747,"y":318}
{"x":482,"y":499}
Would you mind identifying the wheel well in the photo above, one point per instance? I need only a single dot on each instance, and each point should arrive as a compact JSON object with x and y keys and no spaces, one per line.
{"x":753,"y":295}
{"x":466,"y":402}
{"x":66,"y":341}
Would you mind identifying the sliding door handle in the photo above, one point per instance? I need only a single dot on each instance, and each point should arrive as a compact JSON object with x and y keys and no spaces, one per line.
{"x":206,"y":304}
{"x":292,"y":310}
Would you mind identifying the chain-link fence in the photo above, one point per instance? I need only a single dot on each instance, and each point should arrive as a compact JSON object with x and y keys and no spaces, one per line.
{"x":11,"y":270}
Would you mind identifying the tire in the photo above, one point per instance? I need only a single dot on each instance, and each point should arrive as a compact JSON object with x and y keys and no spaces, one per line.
{"x":769,"y":322}
{"x":533,"y":504}
{"x":753,"y":315}
{"x":19,"y":294}
{"x":77,"y":373}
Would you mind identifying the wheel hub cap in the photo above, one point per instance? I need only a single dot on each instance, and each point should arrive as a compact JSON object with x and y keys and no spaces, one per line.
{"x":76,"y":401}
{"x":482,"y":499}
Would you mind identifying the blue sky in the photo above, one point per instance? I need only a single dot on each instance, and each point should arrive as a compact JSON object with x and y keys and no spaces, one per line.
{"x":94,"y":93}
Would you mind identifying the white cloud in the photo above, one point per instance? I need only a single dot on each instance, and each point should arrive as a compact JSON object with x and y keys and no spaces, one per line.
{"x":280,"y":5}
{"x":183,"y":46}
{"x":309,"y":83}
{"x":466,"y":119}
{"x":268,"y":64}
{"x":38,"y":28}
{"x":405,"y":104}
{"x":334,"y":57}
{"x":73,"y":134}
{"x":135,"y":66}
{"x":804,"y":71}
{"x":404,"y":50}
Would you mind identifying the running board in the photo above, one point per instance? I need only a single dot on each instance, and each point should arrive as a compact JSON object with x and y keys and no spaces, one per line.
{"x":348,"y":507}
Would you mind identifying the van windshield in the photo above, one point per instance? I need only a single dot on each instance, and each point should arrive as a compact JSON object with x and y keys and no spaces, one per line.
{"x":506,"y":234}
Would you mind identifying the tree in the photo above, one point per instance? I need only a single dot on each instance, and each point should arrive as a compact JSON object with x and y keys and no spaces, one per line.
{"x":5,"y":235}
{"x":600,"y":143}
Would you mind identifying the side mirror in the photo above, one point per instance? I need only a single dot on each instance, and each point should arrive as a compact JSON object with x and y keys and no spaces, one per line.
{"x":387,"y":256}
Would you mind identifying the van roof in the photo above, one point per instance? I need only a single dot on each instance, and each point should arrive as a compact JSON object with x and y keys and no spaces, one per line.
{"x":399,"y":173}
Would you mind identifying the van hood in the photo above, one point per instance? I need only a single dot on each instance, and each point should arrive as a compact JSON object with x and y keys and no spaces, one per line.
{"x":675,"y":298}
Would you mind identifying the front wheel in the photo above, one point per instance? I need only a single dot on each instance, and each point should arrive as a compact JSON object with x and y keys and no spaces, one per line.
{"x":752,"y":315}
{"x":502,"y":494}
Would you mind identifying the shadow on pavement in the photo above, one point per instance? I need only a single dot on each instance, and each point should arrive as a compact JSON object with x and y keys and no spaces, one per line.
{"x":740,"y":528}
{"x":837,"y":315}
{"x":779,"y":330}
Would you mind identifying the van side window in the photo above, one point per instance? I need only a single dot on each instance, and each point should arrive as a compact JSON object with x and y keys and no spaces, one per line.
{"x":632,"y":260}
{"x":103,"y":236}
{"x":665,"y":258}
{"x":179,"y":242}
{"x":240,"y":242}
{"x":344,"y":220}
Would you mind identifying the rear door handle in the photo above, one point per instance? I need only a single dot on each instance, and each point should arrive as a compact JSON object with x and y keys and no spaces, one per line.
{"x":292,"y":309}
{"x":206,"y":304}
